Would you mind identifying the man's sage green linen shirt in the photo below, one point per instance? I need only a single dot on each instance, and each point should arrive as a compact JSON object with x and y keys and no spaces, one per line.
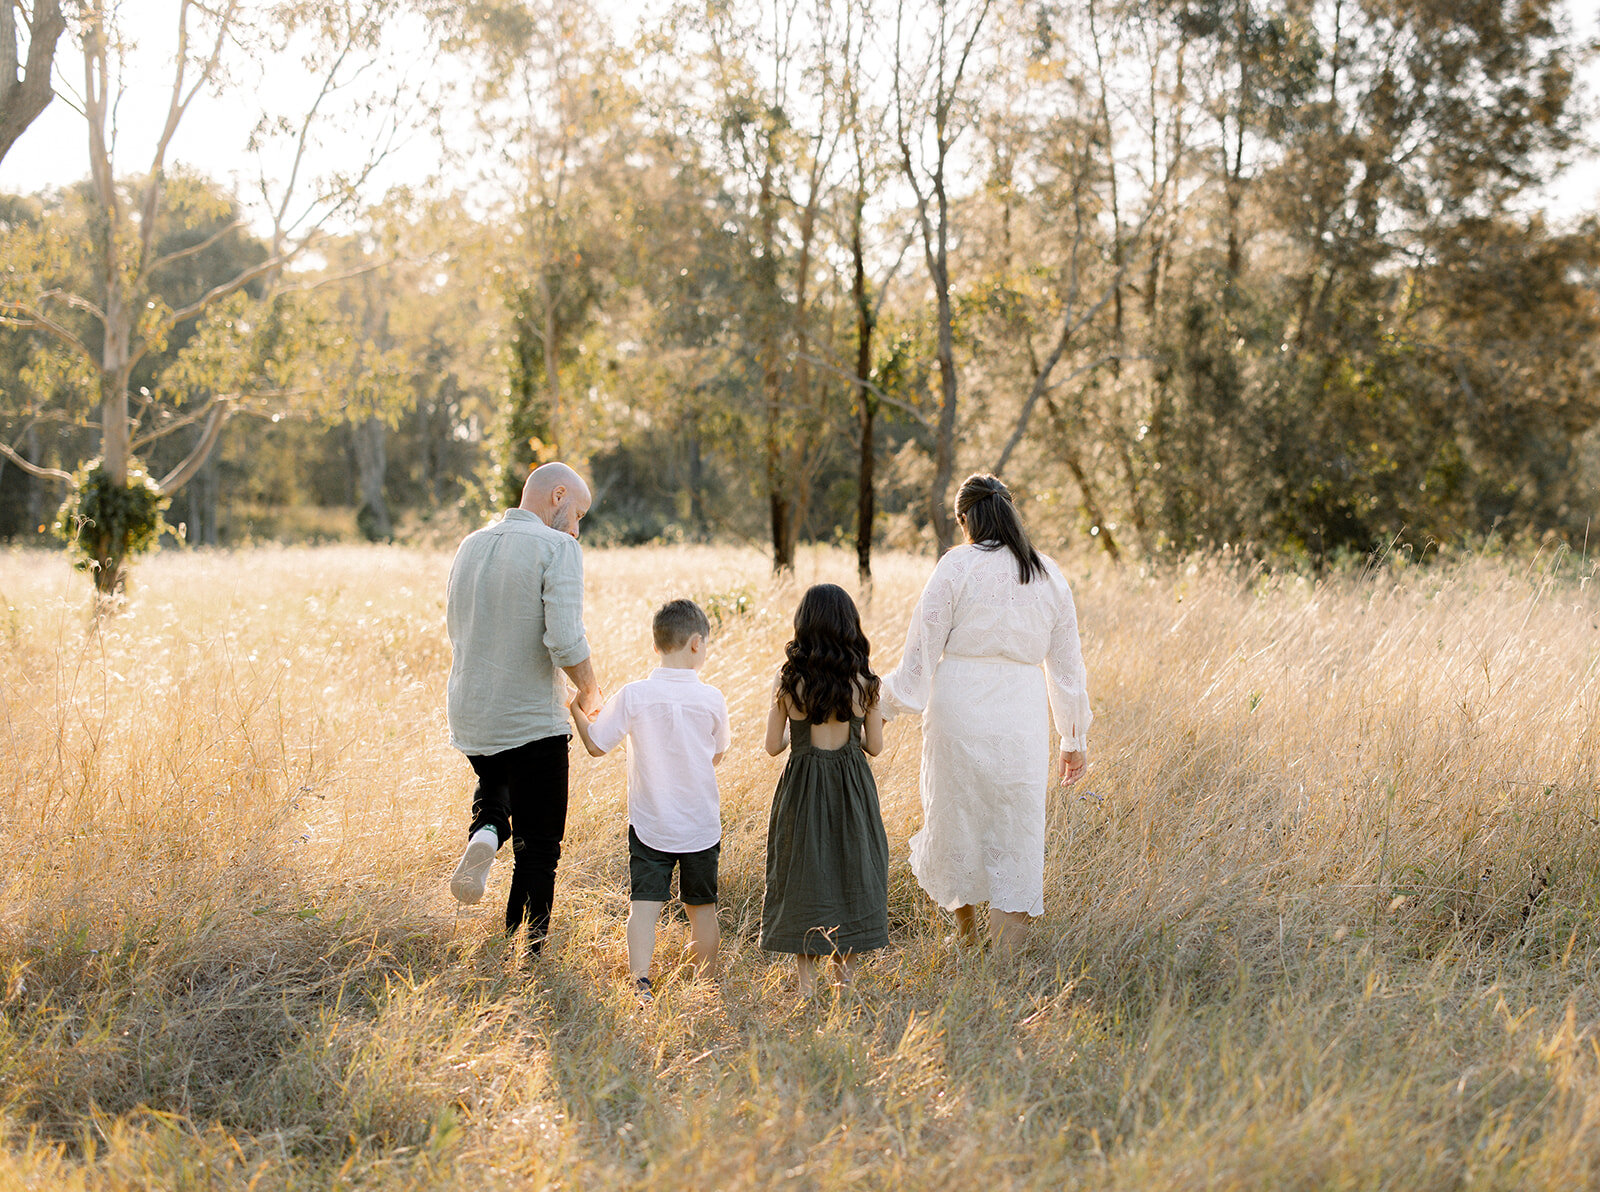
{"x":514,"y":610}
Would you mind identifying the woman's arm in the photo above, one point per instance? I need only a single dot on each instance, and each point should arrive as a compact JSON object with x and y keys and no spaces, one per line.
{"x":1067,"y":681}
{"x":777,"y":723}
{"x":908,"y":686}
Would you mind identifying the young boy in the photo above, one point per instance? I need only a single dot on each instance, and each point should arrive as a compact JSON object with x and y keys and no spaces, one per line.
{"x":677,"y":730}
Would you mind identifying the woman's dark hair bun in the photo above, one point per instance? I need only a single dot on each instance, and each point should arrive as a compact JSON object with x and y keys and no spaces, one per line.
{"x":992,"y":524}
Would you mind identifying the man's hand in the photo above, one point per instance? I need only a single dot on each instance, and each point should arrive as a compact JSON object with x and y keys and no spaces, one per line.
{"x":589,"y":702}
{"x":1073,"y":763}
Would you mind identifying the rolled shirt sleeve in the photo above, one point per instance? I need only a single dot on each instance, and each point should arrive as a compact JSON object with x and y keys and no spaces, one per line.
{"x":562,"y":593}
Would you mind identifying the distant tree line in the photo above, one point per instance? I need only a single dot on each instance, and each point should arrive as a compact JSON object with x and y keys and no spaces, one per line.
{"x":1188,"y":273}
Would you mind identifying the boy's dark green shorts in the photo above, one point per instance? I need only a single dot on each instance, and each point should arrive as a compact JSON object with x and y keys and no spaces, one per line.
{"x":651,"y":871}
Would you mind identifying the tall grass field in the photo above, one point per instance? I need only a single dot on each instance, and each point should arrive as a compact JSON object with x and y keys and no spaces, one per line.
{"x":1322,"y":914}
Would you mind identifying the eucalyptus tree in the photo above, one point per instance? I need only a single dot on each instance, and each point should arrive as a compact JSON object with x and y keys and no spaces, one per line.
{"x":935,"y":99}
{"x":1322,"y":389}
{"x":780,"y":77}
{"x":553,"y":112}
{"x":116,"y":320}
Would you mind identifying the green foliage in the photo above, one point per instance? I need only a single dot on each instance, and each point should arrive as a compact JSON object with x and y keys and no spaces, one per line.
{"x":107,"y":525}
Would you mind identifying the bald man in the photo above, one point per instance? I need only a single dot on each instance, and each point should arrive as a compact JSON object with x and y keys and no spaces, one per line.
{"x":514,"y":610}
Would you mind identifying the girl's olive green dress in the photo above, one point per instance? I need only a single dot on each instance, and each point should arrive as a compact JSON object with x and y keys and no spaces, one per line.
{"x":827,"y":855}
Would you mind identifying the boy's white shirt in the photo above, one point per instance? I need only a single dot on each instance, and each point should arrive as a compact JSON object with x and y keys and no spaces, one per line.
{"x":675,"y":725}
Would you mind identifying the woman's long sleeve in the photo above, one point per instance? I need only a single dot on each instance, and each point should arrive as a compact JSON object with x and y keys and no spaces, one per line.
{"x":1067,"y":681}
{"x":906,"y":688}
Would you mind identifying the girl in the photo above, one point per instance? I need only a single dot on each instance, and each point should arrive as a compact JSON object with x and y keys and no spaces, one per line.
{"x":827,"y":855}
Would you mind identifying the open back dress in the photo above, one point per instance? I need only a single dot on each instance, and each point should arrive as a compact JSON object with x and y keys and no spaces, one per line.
{"x":827,"y":854}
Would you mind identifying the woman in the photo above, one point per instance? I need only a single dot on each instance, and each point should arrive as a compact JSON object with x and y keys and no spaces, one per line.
{"x":994,"y":609}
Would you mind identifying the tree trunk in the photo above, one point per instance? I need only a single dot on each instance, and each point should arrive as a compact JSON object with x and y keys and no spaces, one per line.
{"x":202,"y":492}
{"x":868,"y":402}
{"x":697,"y":481}
{"x":369,"y":438}
{"x":779,"y":506}
{"x":37,"y":510}
{"x":944,"y":454}
{"x":23,"y":99}
{"x":552,"y":366}
{"x":1092,"y":509}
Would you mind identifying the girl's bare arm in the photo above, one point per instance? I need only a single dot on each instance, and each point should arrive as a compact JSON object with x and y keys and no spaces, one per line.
{"x":777,"y":723}
{"x":872,"y":731}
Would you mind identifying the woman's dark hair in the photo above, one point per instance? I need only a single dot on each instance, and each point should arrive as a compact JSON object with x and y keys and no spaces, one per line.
{"x":826,"y":670}
{"x":984,"y":506}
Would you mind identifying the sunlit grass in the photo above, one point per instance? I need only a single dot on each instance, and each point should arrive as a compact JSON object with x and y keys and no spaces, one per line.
{"x":1321,"y":915}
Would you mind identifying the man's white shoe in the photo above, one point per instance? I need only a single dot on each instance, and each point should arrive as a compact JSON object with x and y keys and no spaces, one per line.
{"x":472,"y":874}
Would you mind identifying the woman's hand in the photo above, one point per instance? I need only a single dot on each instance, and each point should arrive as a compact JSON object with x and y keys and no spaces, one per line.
{"x":1073,"y":763}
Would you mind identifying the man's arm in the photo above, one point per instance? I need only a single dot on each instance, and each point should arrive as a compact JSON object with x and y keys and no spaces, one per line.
{"x":562,"y":593}
{"x":589,"y":696}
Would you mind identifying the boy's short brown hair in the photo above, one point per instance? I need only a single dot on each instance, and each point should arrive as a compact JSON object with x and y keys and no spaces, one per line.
{"x":676,"y":622}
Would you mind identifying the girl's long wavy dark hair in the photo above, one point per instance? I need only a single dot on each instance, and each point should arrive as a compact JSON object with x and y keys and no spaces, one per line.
{"x":984,"y":506}
{"x":826,"y":669}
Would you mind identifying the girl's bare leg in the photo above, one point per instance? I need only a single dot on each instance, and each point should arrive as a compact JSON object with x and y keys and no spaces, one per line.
{"x":704,"y":936}
{"x":805,"y":971}
{"x":1007,"y":930}
{"x":966,"y":924}
{"x":642,"y":918}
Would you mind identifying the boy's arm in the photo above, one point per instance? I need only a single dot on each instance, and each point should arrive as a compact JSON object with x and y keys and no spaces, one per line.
{"x":581,"y":723}
{"x":722,"y":736}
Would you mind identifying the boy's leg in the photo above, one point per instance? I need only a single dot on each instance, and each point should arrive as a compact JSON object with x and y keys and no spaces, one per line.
{"x":705,"y":935}
{"x":650,"y":876}
{"x":538,"y":781}
{"x":642,"y":917}
{"x":697,"y":886}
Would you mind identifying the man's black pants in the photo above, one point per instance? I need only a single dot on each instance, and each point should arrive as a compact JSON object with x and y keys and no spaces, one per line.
{"x":522,"y":795}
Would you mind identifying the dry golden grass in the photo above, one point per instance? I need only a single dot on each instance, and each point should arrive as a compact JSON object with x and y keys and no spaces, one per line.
{"x":1326,"y":920}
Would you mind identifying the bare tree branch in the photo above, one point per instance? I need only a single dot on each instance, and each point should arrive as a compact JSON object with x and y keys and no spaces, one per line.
{"x":34,"y":469}
{"x":878,"y":391}
{"x":180,"y":475}
{"x":195,"y":249}
{"x":26,"y":318}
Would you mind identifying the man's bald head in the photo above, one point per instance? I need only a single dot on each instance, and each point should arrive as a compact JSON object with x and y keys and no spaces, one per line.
{"x":557,"y":495}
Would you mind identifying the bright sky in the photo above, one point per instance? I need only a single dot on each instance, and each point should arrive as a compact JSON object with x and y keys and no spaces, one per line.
{"x":213,"y":135}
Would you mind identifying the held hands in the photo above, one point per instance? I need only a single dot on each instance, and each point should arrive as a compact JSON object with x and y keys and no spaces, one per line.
{"x":1073,"y":764}
{"x":587,"y":702}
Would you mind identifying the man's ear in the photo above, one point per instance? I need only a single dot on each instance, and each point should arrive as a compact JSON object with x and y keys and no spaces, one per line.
{"x":558,"y":494}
